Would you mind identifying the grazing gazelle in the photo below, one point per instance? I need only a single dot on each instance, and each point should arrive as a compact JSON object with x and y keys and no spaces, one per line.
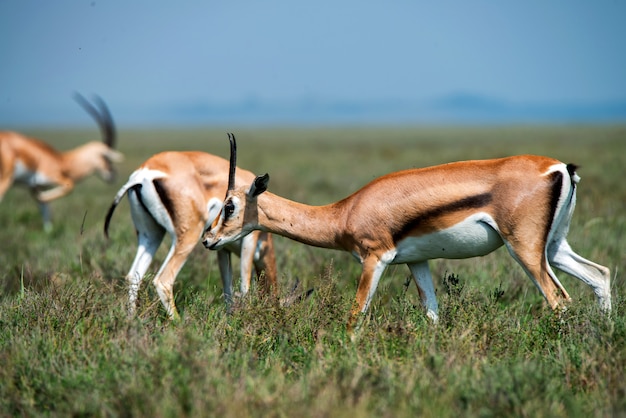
{"x":50,"y":174}
{"x":172,"y":192}
{"x":457,"y":210}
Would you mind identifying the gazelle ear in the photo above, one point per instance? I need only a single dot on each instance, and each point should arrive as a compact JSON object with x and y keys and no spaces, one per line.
{"x":259,"y":185}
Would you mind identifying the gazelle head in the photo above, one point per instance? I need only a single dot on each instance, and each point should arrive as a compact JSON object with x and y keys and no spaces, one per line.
{"x":238,"y":214}
{"x":102,"y":154}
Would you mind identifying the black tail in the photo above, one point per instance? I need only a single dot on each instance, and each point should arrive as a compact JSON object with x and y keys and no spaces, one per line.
{"x":107,"y":220}
{"x":118,"y":198}
{"x":571,"y":169}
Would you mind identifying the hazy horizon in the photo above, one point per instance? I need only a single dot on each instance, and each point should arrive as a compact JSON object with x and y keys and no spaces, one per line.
{"x":278,"y":62}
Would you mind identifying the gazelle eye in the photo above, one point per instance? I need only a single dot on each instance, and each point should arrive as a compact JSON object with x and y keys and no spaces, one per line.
{"x":229,"y":208}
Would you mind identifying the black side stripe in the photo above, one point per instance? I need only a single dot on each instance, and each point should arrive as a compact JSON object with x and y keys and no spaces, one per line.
{"x":167,"y":202}
{"x":471,"y":202}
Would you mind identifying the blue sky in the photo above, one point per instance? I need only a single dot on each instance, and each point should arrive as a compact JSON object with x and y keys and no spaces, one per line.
{"x":154,"y":60}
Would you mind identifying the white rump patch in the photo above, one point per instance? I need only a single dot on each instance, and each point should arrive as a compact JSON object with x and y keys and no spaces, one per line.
{"x":145,"y":174}
{"x":149,"y":196}
{"x":557,"y":167}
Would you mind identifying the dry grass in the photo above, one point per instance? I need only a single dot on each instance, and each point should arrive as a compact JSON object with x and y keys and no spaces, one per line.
{"x":66,"y":347}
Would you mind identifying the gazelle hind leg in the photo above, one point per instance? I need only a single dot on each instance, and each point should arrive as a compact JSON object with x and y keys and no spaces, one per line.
{"x":149,"y":237}
{"x":598,"y":277}
{"x":148,"y":245}
{"x":424,"y":281}
{"x":536,"y":266}
{"x":561,"y":256}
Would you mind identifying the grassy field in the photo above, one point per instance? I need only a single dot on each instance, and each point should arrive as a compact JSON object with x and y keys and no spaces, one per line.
{"x":67,"y":349}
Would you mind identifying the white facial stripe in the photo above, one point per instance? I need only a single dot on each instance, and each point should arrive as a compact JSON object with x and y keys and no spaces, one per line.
{"x":214,"y":207}
{"x":217,"y":233}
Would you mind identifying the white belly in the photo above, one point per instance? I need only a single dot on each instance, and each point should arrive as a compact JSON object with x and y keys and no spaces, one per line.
{"x":473,"y":237}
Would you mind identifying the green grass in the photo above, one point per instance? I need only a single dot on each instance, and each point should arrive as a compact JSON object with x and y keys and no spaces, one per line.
{"x":67,"y":349}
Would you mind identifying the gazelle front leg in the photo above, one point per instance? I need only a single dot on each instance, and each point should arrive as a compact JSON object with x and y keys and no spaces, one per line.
{"x":424,"y":281}
{"x":44,"y":209}
{"x":226,"y":271}
{"x":265,"y":264}
{"x":373,"y":268}
{"x":248,"y":248}
{"x":49,"y":195}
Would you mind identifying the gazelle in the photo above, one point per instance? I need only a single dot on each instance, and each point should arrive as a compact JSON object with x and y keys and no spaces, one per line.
{"x":50,"y":174}
{"x":457,"y":210}
{"x":172,"y":192}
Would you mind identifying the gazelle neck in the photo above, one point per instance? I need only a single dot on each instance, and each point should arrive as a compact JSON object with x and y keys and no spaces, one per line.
{"x":319,"y":226}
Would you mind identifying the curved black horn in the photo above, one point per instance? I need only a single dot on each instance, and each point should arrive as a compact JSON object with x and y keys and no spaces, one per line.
{"x":101,"y":115}
{"x":233,"y":162}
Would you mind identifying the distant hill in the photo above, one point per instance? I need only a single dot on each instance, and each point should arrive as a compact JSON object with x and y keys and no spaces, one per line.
{"x":458,"y":108}
{"x":475,"y":108}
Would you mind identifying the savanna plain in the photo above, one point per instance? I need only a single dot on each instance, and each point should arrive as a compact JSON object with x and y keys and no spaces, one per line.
{"x":68,"y":349}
